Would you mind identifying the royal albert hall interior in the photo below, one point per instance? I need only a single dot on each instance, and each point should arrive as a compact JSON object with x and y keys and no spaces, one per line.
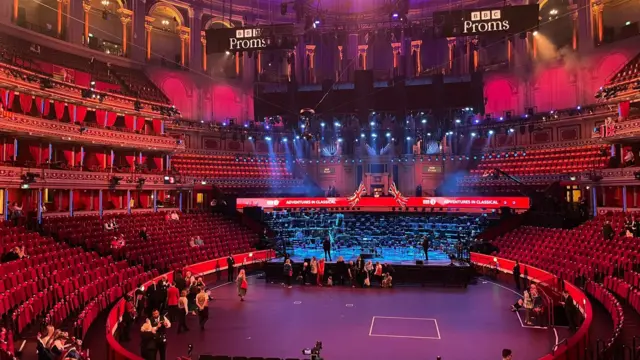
{"x":309,"y":179}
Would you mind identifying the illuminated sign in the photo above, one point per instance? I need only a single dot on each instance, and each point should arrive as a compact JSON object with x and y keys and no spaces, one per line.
{"x":381,"y":202}
{"x":508,"y":19}
{"x":249,"y":39}
{"x":329,"y":170}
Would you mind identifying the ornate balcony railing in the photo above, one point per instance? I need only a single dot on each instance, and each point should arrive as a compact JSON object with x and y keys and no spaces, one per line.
{"x":32,"y":126}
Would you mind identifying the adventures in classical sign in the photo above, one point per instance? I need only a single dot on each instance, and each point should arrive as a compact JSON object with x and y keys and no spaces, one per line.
{"x":472,"y":22}
{"x":268,"y":37}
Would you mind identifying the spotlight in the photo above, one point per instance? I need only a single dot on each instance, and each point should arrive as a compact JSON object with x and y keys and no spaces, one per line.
{"x":535,"y":33}
{"x":424,"y":121}
{"x":203,"y":182}
{"x":284,"y":139}
{"x":473,"y":134}
{"x":363,"y":135}
{"x":374,"y":135}
{"x":322,"y":124}
{"x":490,"y":132}
{"x":457,"y":121}
{"x":297,"y":137}
{"x":373,"y":123}
{"x":388,"y":134}
{"x":227,"y":52}
{"x":339,"y":140}
{"x":511,"y":130}
{"x":336,"y":124}
{"x":268,"y":138}
{"x":408,"y":137}
{"x":250,"y":137}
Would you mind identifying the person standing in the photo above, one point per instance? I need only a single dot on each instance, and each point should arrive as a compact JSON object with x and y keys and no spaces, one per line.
{"x":326,"y":245}
{"x":360,"y":274}
{"x":183,"y":310}
{"x":313,"y":265}
{"x":320,"y":280}
{"x":425,"y":247}
{"x":242,"y":284}
{"x":288,"y":273}
{"x":202,"y":300}
{"x":341,"y":271}
{"x":569,"y":310}
{"x":173,"y":295}
{"x":230,"y":268}
{"x":156,"y":325}
{"x":516,"y":275}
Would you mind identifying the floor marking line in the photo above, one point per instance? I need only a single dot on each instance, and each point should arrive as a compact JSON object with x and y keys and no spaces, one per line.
{"x":556,"y":333}
{"x":373,"y":319}
{"x":437,"y":329}
{"x":403,"y":318}
{"x":408,"y":337}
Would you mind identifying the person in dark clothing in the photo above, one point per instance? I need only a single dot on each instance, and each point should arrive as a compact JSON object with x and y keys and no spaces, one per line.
{"x":607,"y":231}
{"x":425,"y":247}
{"x":143,"y":234}
{"x":326,"y":245}
{"x":139,"y":299}
{"x":569,"y":310}
{"x":341,"y":271}
{"x":156,"y":326}
{"x":360,"y":273}
{"x":516,"y":275}
{"x":230,"y":268}
{"x":128,"y":318}
{"x":179,"y":280}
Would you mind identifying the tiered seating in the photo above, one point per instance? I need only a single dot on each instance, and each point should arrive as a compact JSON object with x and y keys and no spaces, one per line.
{"x":137,"y":84}
{"x":54,"y":282}
{"x":229,"y":166}
{"x":624,"y":82}
{"x":612,"y":305}
{"x":544,"y":161}
{"x":231,"y":172}
{"x":168,"y":243}
{"x":582,"y":255}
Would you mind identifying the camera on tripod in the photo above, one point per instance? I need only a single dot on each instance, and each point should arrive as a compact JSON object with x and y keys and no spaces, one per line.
{"x":314,"y":352}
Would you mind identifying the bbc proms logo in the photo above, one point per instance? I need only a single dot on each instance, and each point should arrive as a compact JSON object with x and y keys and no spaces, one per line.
{"x":486,"y":21}
{"x":248,"y":39}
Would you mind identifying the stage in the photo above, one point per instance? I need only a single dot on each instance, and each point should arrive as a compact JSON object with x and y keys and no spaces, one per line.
{"x":437,"y":272}
{"x":385,"y":255}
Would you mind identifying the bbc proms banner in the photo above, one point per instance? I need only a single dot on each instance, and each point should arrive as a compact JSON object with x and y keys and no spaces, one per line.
{"x":507,"y":20}
{"x":372,"y":202}
{"x":268,"y":37}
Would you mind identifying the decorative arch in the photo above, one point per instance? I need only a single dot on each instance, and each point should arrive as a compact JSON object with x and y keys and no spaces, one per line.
{"x":213,"y":20}
{"x":176,"y":13}
{"x":610,"y":64}
{"x":499,"y":93}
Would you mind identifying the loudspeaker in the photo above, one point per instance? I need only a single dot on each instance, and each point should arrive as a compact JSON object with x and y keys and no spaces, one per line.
{"x":363,"y":85}
{"x":419,"y":262}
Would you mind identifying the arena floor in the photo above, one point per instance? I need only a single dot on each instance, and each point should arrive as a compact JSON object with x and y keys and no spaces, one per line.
{"x":401,"y":323}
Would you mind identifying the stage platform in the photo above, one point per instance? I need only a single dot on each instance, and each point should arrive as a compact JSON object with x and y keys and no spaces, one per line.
{"x":436,"y":272}
{"x":403,"y":256}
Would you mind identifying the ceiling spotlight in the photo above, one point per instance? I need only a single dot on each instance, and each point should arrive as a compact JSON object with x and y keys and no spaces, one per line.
{"x":490,"y":132}
{"x":535,"y":33}
{"x":227,"y":52}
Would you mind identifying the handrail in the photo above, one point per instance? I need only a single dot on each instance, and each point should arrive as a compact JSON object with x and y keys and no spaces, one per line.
{"x":581,"y":336}
{"x":115,"y":351}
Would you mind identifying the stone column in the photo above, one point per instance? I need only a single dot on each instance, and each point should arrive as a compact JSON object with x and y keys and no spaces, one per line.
{"x":183,"y":32}
{"x":125,"y":18}
{"x":362,"y":51}
{"x":340,"y":62}
{"x":451,"y":42}
{"x":416,"y":46}
{"x":258,"y":57}
{"x":573,"y":9}
{"x":61,"y":8}
{"x":195,"y":43}
{"x":598,"y":9}
{"x":396,"y":48}
{"x":509,"y":44}
{"x":290,"y":61}
{"x":203,"y":42}
{"x":148,"y":26}
{"x":86,"y":6}
{"x":311,"y":71}
{"x":475,"y":54}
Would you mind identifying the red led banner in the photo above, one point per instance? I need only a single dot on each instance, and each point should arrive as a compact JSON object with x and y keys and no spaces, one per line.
{"x":388,"y":202}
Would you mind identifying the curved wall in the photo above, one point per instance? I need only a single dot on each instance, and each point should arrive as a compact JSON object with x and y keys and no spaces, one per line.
{"x":576,"y":343}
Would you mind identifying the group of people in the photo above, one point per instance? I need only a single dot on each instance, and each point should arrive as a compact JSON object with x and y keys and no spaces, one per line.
{"x":357,"y":273}
{"x":195,"y":241}
{"x":56,"y":344}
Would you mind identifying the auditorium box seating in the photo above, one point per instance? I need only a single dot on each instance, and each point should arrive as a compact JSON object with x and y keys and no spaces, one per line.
{"x":168,"y":244}
{"x":229,"y":166}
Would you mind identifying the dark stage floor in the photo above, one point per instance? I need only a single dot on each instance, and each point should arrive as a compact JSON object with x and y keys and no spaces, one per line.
{"x":401,"y":323}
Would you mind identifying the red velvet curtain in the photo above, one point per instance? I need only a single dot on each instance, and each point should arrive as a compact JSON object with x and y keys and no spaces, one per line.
{"x":156,"y":125}
{"x":111,"y":118}
{"x":9,"y":104}
{"x":34,"y":151}
{"x":45,"y":153}
{"x":140,"y":123}
{"x":44,"y":106}
{"x":3,"y":97}
{"x":8,"y":153}
{"x":144,"y":199}
{"x":77,"y":203}
{"x":26,"y":103}
{"x":91,"y":159}
{"x":101,"y":117}
{"x":81,"y":112}
{"x":128,"y":121}
{"x":157,"y":161}
{"x":72,"y":112}
{"x":79,"y":157}
{"x":623,"y":109}
{"x":68,"y":156}
{"x":58,"y":106}
{"x":129,"y":159}
{"x":143,"y":160}
{"x":96,"y":201}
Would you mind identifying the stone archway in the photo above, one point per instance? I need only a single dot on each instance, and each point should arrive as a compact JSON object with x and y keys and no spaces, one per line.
{"x":167,"y":26}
